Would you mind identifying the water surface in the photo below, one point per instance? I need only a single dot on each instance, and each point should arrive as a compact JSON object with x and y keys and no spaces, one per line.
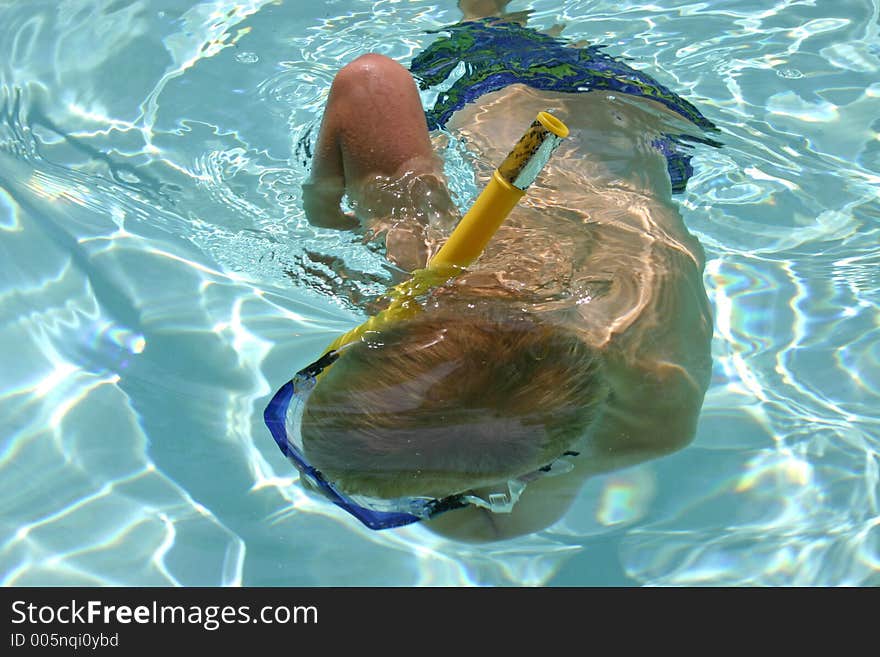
{"x":158,"y":280}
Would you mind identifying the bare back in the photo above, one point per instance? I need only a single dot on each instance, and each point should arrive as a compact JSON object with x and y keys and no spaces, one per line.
{"x":597,"y":244}
{"x":599,"y":247}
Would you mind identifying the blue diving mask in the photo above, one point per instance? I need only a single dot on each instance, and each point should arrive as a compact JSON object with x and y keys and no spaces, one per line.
{"x":283,"y":417}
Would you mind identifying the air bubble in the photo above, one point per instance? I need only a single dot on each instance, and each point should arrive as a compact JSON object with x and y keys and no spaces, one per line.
{"x":247,"y":57}
{"x":789,"y":73}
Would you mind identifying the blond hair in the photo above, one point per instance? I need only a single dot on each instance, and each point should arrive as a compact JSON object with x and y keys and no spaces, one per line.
{"x":437,"y":406}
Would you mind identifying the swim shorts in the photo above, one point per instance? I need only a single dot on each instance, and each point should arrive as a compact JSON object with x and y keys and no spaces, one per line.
{"x":496,"y":54}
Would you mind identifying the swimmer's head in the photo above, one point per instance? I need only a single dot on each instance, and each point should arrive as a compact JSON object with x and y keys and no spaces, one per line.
{"x":436,"y":407}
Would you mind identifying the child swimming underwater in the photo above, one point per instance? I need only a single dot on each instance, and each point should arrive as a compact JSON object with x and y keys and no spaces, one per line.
{"x":577,"y":343}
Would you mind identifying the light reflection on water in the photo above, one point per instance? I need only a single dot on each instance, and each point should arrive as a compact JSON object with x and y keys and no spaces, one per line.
{"x":159,"y":280}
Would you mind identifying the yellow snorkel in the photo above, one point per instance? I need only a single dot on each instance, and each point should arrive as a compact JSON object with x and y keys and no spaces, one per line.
{"x":506,"y":187}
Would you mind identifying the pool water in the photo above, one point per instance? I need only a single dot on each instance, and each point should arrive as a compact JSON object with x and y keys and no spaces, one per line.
{"x":158,"y":281}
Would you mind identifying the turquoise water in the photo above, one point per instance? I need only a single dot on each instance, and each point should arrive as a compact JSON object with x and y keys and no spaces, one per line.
{"x":158,"y":280}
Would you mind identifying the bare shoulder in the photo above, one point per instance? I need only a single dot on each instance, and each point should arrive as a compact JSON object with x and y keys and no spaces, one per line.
{"x":658,"y":370}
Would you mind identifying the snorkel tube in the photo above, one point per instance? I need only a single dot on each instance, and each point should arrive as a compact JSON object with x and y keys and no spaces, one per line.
{"x":506,"y":187}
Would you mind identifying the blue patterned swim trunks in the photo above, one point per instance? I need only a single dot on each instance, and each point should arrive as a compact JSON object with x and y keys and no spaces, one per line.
{"x":496,"y":54}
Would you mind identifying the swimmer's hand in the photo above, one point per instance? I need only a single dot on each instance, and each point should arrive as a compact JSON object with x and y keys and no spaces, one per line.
{"x":321,"y":205}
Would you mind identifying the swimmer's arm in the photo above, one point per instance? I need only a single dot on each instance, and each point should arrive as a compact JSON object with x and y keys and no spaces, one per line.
{"x":658,"y":369}
{"x":322,"y":193}
{"x":654,"y":418}
{"x":321,"y":204}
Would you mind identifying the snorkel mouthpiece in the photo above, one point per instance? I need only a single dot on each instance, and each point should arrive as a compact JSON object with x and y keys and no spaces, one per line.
{"x":506,"y":187}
